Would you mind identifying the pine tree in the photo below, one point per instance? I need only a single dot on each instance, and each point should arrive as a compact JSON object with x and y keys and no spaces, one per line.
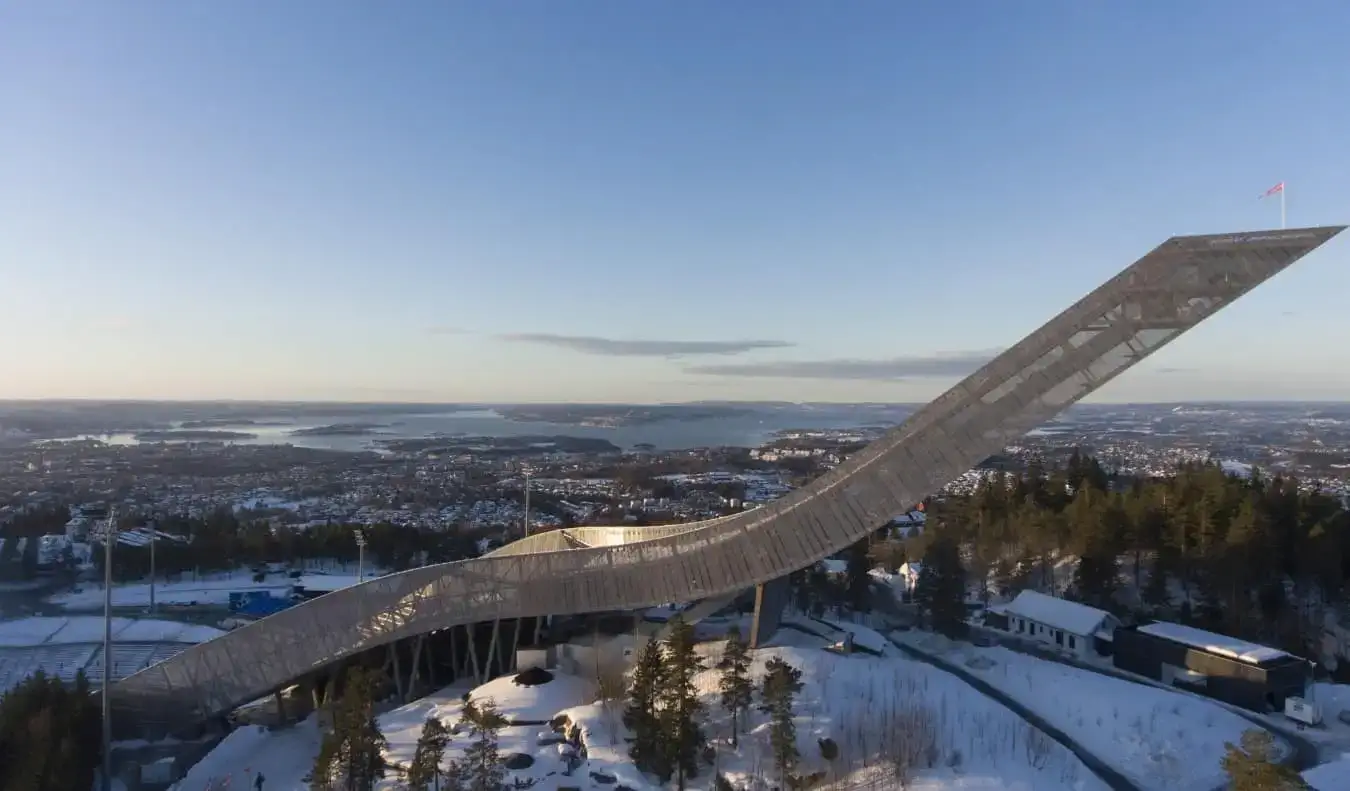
{"x":1252,"y":766}
{"x":424,"y":771}
{"x":781,"y":684}
{"x":49,"y":735}
{"x":482,"y":767}
{"x":682,"y":738}
{"x":323,"y":774}
{"x":364,"y":758}
{"x":649,"y":675}
{"x":941,"y":589}
{"x":351,"y":755}
{"x":858,"y":577}
{"x":735,"y":684}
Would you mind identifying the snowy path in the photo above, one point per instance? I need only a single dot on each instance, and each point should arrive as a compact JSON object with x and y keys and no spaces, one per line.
{"x":1111,"y":777}
{"x":1304,"y":754}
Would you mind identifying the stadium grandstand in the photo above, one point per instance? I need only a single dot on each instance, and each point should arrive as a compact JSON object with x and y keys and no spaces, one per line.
{"x":63,"y":646}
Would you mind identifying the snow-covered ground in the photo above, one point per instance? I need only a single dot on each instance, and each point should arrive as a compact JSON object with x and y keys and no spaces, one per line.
{"x":215,"y":592}
{"x":1330,"y":776}
{"x":212,"y":591}
{"x":855,"y":700}
{"x":1334,"y":733}
{"x":862,"y":702}
{"x":1158,"y":738}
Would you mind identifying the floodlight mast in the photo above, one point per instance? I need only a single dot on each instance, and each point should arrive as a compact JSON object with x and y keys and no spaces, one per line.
{"x":109,"y":535}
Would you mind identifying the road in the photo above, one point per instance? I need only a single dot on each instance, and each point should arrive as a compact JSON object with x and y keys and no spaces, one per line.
{"x":1114,"y":779}
{"x":885,"y":603}
{"x":1303,"y":755}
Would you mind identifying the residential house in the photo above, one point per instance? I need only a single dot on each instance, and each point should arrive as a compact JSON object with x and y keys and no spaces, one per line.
{"x":1069,"y":626}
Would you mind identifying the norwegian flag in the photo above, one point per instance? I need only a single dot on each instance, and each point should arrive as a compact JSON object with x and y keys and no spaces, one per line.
{"x":1275,"y":190}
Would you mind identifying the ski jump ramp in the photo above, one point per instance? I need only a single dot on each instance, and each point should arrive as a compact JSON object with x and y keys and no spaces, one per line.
{"x":1171,"y":289}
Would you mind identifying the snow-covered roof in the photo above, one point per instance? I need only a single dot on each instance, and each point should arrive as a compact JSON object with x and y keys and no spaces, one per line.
{"x":914,"y":517}
{"x":1213,"y":643}
{"x":834,"y":566}
{"x":1063,"y":614}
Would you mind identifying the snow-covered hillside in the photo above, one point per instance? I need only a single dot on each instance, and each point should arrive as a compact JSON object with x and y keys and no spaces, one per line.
{"x":866,"y":704}
{"x":1156,"y":737}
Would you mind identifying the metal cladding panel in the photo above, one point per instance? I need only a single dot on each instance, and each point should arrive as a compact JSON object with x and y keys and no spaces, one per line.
{"x":1174,"y":287}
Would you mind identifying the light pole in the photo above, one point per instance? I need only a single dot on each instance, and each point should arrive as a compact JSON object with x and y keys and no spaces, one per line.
{"x":154,"y":538}
{"x":360,"y":555}
{"x":109,"y":535}
{"x":527,"y":502}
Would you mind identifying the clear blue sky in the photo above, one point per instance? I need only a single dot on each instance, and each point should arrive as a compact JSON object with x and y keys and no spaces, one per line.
{"x":647,"y":201}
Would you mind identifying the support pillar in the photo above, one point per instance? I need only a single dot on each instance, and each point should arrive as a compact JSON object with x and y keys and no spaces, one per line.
{"x":515,"y":647}
{"x":473,"y":654}
{"x":416,"y":664}
{"x":399,"y":690}
{"x":492,"y":651}
{"x":771,"y":601}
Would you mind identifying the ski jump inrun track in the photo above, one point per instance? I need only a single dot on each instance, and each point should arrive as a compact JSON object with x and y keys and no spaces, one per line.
{"x":597,"y":569}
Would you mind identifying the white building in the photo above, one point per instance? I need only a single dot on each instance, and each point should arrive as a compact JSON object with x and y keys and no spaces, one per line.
{"x":909,"y":577}
{"x":1066,"y":625}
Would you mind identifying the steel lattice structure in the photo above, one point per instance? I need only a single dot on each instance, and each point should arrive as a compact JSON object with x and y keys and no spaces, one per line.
{"x":582,"y":570}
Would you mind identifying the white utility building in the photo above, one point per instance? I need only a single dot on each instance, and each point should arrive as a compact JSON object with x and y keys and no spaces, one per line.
{"x":1066,"y":625}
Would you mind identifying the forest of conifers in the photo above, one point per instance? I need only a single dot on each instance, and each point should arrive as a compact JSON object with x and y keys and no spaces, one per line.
{"x":1258,"y":557}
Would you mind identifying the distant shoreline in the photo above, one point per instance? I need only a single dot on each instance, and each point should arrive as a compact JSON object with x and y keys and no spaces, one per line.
{"x":339,"y":430}
{"x":595,"y":416}
{"x":179,"y":435}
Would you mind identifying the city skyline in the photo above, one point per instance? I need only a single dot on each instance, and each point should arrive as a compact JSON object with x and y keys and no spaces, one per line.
{"x":457,"y":204}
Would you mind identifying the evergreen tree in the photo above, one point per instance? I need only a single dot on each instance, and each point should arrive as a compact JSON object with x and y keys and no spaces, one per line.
{"x":1095,"y":579}
{"x":482,"y":767}
{"x":351,"y":755}
{"x":323,"y":774}
{"x":424,"y":771}
{"x":735,"y":684}
{"x":50,"y":735}
{"x":1252,"y":766}
{"x":941,"y":590}
{"x":640,"y":715}
{"x":682,"y":738}
{"x":781,"y":684}
{"x":858,"y":578}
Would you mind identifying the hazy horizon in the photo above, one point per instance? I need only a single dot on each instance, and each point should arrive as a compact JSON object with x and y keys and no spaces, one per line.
{"x":600,"y":202}
{"x":696,"y":402}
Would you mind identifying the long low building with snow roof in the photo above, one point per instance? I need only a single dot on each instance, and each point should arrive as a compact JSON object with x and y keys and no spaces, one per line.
{"x":1255,"y":677}
{"x":1068,"y":626}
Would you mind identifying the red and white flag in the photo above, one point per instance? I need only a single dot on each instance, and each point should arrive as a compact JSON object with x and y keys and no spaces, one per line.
{"x":1275,"y":190}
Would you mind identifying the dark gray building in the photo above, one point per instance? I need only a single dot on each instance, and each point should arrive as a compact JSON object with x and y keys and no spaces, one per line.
{"x":1252,"y":676}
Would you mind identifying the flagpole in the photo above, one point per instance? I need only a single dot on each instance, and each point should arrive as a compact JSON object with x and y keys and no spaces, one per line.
{"x":1283,"y":189}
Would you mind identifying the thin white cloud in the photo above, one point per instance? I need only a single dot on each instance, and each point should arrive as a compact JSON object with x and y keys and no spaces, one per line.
{"x":617,"y":347}
{"x":932,"y":366}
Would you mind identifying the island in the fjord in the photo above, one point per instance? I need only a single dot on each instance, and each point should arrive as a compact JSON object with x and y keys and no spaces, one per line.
{"x":617,"y":415}
{"x":339,"y":430}
{"x":223,"y":422}
{"x":191,"y":435}
{"x":499,"y":446}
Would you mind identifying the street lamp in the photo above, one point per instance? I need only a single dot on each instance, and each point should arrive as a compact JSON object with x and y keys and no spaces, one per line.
{"x":109,"y":535}
{"x":154,"y":535}
{"x":360,"y":555}
{"x":527,"y":502}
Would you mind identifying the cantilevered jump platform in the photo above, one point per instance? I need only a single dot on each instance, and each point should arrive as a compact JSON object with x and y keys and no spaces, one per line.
{"x":1176,"y":286}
